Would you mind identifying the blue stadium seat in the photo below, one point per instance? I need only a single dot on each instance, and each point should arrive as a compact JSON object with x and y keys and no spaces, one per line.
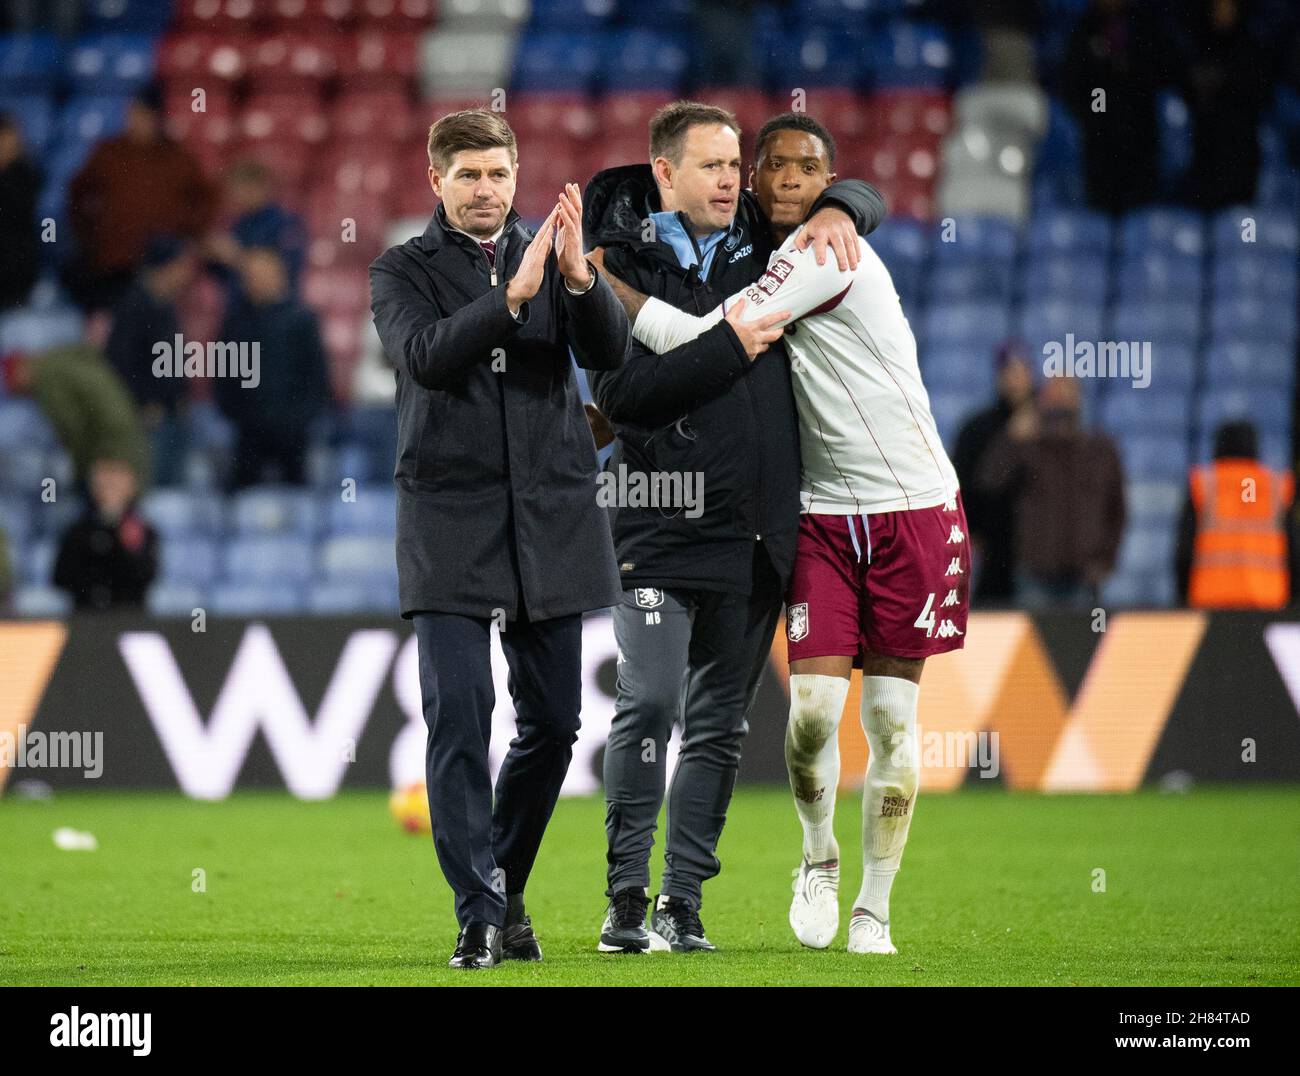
{"x":36,"y":564}
{"x":34,"y":115}
{"x":1171,"y":321}
{"x":29,"y":62}
{"x":1154,"y":503}
{"x":1159,"y":274}
{"x":976,"y":325}
{"x":178,"y":513}
{"x":1269,"y":411}
{"x":354,"y":558}
{"x":126,"y":15}
{"x":279,"y":558}
{"x":41,"y":600}
{"x":990,"y":282}
{"x":55,"y":517}
{"x":113,"y":63}
{"x":1068,"y":231}
{"x":174,"y":599}
{"x":1146,"y":588}
{"x":1253,"y":319}
{"x":373,"y":513}
{"x":1173,"y":366}
{"x":1275,"y":231}
{"x":910,"y":55}
{"x":1044,"y":322}
{"x":88,"y":119}
{"x":814,"y":56}
{"x":1245,"y":275}
{"x":189,"y":560}
{"x":1147,"y":548}
{"x":22,"y":423}
{"x":1126,"y":410}
{"x":1154,"y":457}
{"x":643,"y":60}
{"x":950,"y":369}
{"x":950,"y":410}
{"x":209,"y":429}
{"x":975,"y":239}
{"x":338,"y":598}
{"x":266,"y":510}
{"x":1079,"y":277}
{"x":556,"y":62}
{"x":256,"y":599}
{"x":15,"y":517}
{"x":900,"y":240}
{"x":574,"y":16}
{"x":33,"y":331}
{"x":1178,"y":231}
{"x":1236,"y":364}
{"x":1174,"y":137}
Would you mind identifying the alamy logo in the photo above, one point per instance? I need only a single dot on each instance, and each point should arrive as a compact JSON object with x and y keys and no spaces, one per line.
{"x":77,"y":1028}
{"x":218,"y":358}
{"x":1107,"y":358}
{"x":652,"y":489}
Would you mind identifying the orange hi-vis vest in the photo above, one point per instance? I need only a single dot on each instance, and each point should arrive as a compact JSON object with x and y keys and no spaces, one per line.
{"x":1239,"y":557}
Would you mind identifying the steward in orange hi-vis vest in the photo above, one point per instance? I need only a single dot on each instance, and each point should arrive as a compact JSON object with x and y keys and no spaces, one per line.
{"x":1239,"y":557}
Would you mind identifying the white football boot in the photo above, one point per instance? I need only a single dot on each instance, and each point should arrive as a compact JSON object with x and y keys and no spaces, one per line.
{"x":867,"y":934}
{"x":815,"y":910}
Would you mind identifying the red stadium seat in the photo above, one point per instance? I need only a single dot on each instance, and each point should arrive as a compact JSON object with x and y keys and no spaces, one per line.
{"x":620,"y":113}
{"x":909,"y":199}
{"x":374,"y":59}
{"x":402,"y":15}
{"x":284,"y":116}
{"x":912,"y":112}
{"x":225,"y":15}
{"x":311,"y":14}
{"x":751,"y":107}
{"x":293,"y":60}
{"x":902,"y":158}
{"x":538,"y":116}
{"x":845,"y":113}
{"x":371,"y":168}
{"x":202,"y":56}
{"x":328,"y":210}
{"x":543,"y":174}
{"x":341,"y":291}
{"x":372,"y":115}
{"x":630,"y":147}
{"x":288,"y":159}
{"x":216,"y":123}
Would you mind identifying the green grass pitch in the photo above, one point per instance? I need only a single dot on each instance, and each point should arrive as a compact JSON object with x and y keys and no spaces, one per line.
{"x":996,"y":888}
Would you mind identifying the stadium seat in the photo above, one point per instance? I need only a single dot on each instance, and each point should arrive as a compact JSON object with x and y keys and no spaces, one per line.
{"x":370,"y":115}
{"x":556,"y":62}
{"x":41,"y":600}
{"x":1158,"y":275}
{"x":814,"y":56}
{"x":1237,"y":364}
{"x":1063,"y":277}
{"x":22,"y":422}
{"x":377,"y":59}
{"x":178,"y":513}
{"x":1253,"y":319}
{"x":1068,"y":231}
{"x":1173,"y":366}
{"x":1171,"y":321}
{"x":1176,"y":231}
{"x":1154,"y":503}
{"x":268,"y":510}
{"x":34,"y":115}
{"x":961,"y":324}
{"x":16,"y":512}
{"x":1270,"y":231}
{"x":339,"y":597}
{"x":189,"y":560}
{"x":1243,"y":275}
{"x":372,"y":513}
{"x":1053,"y":320}
{"x":1127,"y":410}
{"x":29,"y":62}
{"x":1268,"y":410}
{"x":175,"y":599}
{"x":255,"y":599}
{"x":635,"y":59}
{"x":1154,"y":457}
{"x":357,"y":557}
{"x":908,"y":54}
{"x":397,"y":15}
{"x":110,"y":63}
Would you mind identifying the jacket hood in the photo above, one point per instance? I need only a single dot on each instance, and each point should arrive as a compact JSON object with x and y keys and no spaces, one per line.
{"x":615,"y":204}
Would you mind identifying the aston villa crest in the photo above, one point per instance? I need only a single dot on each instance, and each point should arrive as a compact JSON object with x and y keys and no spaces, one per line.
{"x":796,"y":625}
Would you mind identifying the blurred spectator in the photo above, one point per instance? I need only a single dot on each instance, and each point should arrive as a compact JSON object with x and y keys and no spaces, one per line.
{"x":20,"y":183}
{"x":1237,"y":537}
{"x":991,"y":515}
{"x":6,"y":572}
{"x":86,"y":403}
{"x":1116,"y":47}
{"x":258,"y":221}
{"x":1226,"y":82}
{"x":272,"y":419}
{"x":135,"y":185}
{"x":1068,"y":491}
{"x":108,"y":557}
{"x":145,"y":316}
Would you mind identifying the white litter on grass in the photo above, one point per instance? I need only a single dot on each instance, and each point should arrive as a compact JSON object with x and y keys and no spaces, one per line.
{"x":74,"y":840}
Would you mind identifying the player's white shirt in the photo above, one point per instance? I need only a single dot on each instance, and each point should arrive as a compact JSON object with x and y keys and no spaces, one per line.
{"x":868,"y":441}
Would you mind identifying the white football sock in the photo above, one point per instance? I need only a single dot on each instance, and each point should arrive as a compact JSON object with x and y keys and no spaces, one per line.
{"x":812,"y":756}
{"x":889,"y":792}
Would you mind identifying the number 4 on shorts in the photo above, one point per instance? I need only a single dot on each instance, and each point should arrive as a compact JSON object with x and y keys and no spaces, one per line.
{"x":926,"y":619}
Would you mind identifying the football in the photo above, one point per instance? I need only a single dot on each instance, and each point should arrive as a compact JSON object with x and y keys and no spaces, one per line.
{"x":410,"y":807}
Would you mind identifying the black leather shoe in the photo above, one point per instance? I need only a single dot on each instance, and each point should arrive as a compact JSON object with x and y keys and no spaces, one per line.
{"x":477,"y":946}
{"x":518,"y":942}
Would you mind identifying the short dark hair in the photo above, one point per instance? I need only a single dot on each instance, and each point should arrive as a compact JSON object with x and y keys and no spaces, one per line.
{"x":475,"y":128}
{"x":1236,"y":439}
{"x":668,"y":126}
{"x":795,"y":121}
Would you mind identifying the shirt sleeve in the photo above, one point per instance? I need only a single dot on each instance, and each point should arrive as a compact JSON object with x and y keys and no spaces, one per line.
{"x":794,"y":282}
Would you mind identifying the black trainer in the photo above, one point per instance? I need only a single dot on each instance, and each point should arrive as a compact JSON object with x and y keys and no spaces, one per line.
{"x":518,"y":942}
{"x":624,"y":928}
{"x":678,"y":924}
